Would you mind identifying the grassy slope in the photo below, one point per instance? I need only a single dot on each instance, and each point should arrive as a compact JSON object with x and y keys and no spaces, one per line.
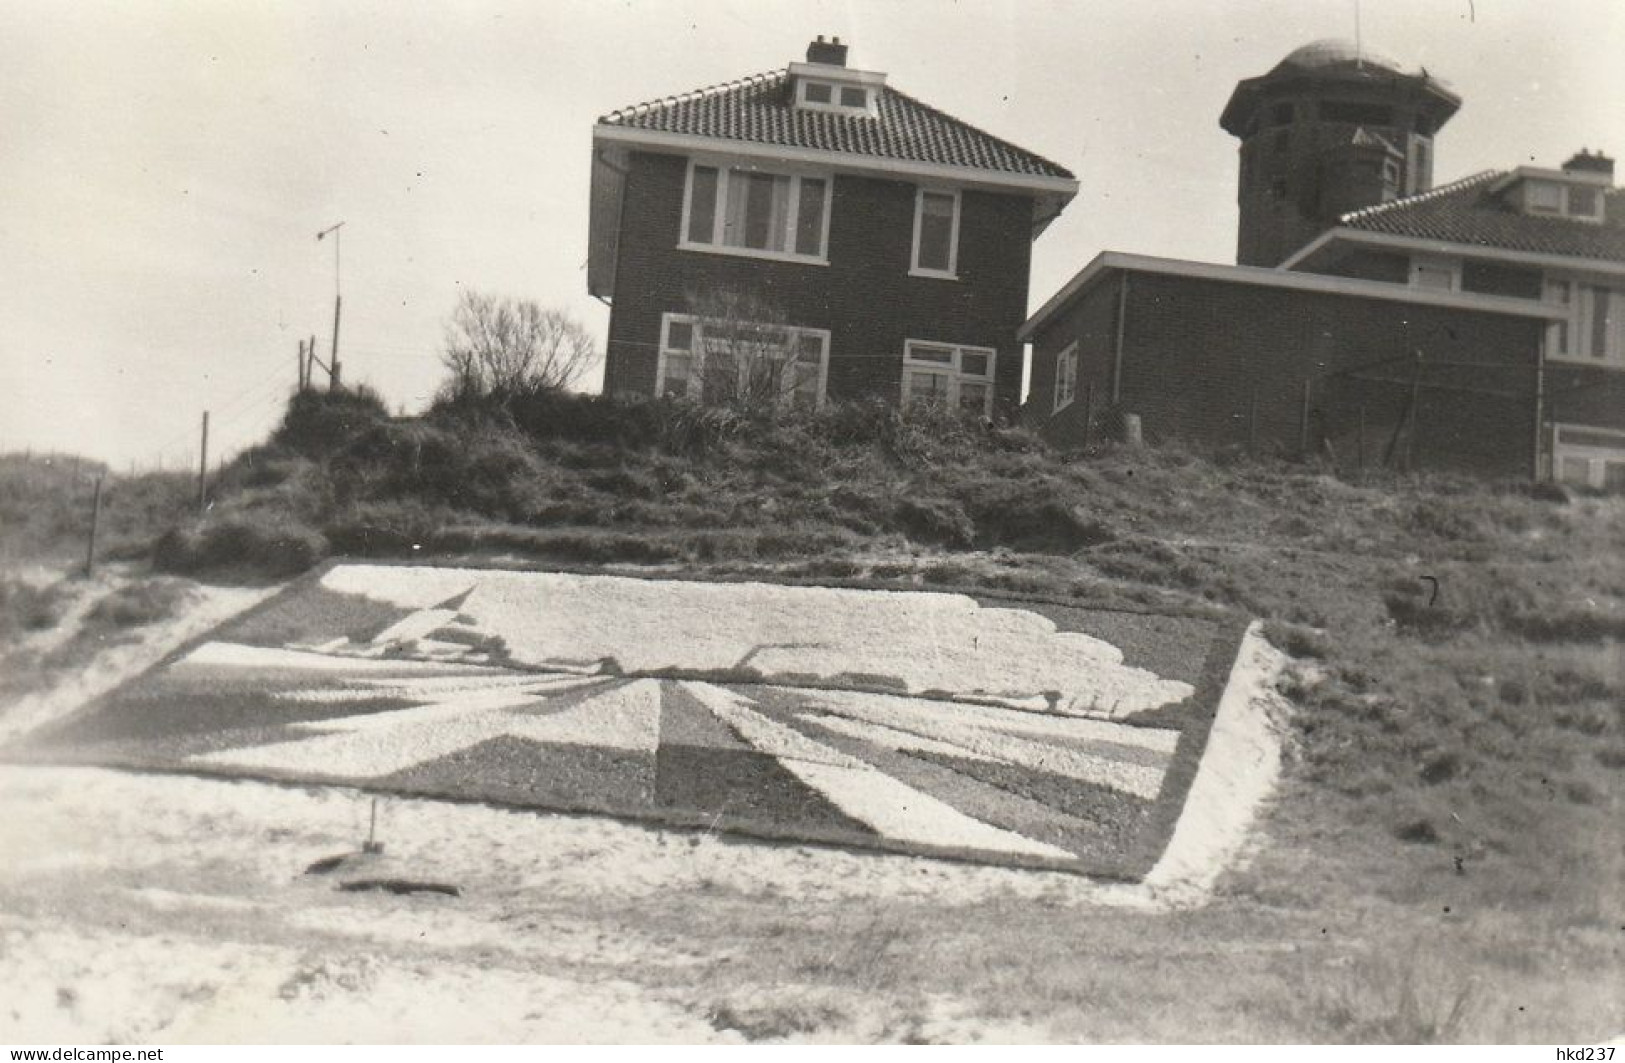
{"x":1444,"y":859}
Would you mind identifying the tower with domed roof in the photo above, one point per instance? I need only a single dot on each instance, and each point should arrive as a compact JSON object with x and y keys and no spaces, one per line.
{"x":1330,"y":129}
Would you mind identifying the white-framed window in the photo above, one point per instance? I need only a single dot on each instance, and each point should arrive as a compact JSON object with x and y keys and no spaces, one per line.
{"x":1594,"y":331}
{"x":815,"y":95}
{"x":936,"y":233}
{"x":722,"y":361}
{"x":1436,"y":274}
{"x":1066,"y":376}
{"x":1589,"y":457}
{"x":1543,"y":197}
{"x":948,"y":374}
{"x":745,"y":211}
{"x":1563,"y":199}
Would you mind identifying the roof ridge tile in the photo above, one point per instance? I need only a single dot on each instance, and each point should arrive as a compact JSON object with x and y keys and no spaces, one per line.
{"x":721,"y":87}
{"x":1421,"y":197}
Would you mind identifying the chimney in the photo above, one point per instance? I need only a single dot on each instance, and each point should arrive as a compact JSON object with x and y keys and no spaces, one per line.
{"x":831,"y":54}
{"x":1587,"y":162}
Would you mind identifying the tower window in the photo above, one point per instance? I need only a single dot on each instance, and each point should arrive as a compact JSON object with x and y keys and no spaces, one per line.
{"x":1356,"y":113}
{"x":1278,"y":188}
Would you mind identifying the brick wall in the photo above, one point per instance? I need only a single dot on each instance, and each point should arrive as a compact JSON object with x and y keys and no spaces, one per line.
{"x":1092,"y":322}
{"x":1197,"y":352}
{"x":865,"y":296}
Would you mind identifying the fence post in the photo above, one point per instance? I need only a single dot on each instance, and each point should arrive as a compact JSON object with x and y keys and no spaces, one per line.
{"x":203,"y":468}
{"x":1303,"y":423}
{"x":1252,"y":425}
{"x":1416,"y":415}
{"x":95,"y":519}
{"x":1360,"y":461}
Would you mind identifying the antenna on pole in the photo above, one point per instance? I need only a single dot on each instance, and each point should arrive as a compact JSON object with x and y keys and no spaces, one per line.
{"x":338,"y":303}
{"x":1359,"y":43}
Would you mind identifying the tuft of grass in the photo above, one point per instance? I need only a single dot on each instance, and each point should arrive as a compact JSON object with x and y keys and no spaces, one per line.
{"x":241,"y":546}
{"x":1409,"y":1002}
{"x":27,"y":606}
{"x":138,"y":603}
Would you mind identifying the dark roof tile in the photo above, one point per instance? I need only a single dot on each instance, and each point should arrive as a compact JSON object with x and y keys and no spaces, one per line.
{"x":757,"y":109}
{"x":1468,"y":212}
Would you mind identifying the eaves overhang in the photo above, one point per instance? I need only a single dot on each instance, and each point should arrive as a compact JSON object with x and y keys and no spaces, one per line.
{"x":1059,"y":190}
{"x":1334,"y":243}
{"x":1108,"y":263}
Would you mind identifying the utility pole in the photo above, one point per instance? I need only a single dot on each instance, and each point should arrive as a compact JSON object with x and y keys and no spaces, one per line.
{"x":203,"y":468}
{"x":302,"y":381}
{"x":338,"y":305}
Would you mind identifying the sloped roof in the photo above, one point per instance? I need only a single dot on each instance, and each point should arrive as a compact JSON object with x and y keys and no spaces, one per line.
{"x":757,"y":109}
{"x":1469,"y":212}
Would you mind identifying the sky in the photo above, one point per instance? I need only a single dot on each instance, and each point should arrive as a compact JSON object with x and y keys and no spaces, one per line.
{"x":166,"y":166}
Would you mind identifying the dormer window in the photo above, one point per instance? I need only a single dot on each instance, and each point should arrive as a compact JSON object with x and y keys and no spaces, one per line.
{"x":825,"y":83}
{"x":1543,"y":197}
{"x":1559,"y":194}
{"x":1584,"y":202}
{"x":818,"y":95}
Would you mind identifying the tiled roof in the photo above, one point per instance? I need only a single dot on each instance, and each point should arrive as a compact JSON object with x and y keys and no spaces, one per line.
{"x":757,"y":109}
{"x":1468,"y":212}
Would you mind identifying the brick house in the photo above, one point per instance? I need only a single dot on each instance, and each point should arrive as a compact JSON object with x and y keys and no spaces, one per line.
{"x":1553,"y":237}
{"x":1479,"y":326}
{"x":819,"y":224}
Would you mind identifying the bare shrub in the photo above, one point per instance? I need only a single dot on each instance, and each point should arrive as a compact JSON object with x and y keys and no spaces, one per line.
{"x":504,"y":346}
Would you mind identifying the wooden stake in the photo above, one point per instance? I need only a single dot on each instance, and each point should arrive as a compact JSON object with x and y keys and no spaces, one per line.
{"x":1416,"y":415}
{"x":95,"y":519}
{"x":1360,"y":461}
{"x":1252,"y":425}
{"x":1303,"y":422}
{"x":203,"y":469}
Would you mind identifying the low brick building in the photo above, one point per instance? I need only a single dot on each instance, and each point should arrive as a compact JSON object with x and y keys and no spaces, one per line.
{"x":1282,"y":362}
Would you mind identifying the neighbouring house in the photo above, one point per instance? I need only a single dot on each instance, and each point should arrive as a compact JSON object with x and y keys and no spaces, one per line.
{"x":814,"y":233}
{"x":1374,"y":319}
{"x":1551,"y":237}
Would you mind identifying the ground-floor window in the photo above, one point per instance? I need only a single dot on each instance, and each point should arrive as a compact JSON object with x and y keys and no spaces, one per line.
{"x":948,"y":374}
{"x":1066,"y":377}
{"x":721,"y":361}
{"x":1589,"y":457}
